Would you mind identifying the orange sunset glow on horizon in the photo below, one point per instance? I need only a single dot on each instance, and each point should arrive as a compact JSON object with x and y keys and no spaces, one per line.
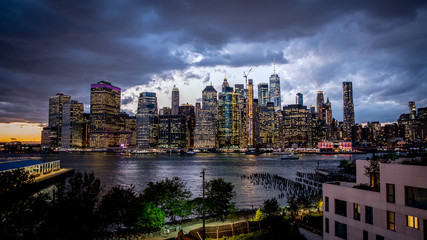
{"x":20,"y":131}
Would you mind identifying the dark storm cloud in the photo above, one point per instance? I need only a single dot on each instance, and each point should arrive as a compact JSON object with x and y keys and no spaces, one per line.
{"x":63,"y":46}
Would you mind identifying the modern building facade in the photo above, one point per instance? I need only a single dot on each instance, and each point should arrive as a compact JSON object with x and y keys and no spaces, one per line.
{"x":72,"y":125}
{"x":299,"y":99}
{"x":295,"y":125}
{"x":147,"y":121}
{"x":268,"y":126}
{"x":320,"y":102}
{"x":104,"y":115}
{"x":275,"y":96}
{"x":250,"y":114}
{"x":56,"y":104}
{"x":263,"y":94}
{"x":348,"y":109}
{"x":175,"y":100}
{"x":398,"y":210}
{"x":188,"y":112}
{"x":229,"y":119}
{"x":172,"y":132}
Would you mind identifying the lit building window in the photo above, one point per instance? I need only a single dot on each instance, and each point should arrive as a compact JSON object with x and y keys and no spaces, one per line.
{"x":356,"y":211}
{"x":390,"y":193}
{"x":412,"y":222}
{"x":391,"y":221}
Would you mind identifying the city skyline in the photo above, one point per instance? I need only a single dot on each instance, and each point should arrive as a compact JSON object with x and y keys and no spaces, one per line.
{"x":155,"y":46}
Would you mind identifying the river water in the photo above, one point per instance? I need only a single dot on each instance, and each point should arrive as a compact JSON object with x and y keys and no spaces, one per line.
{"x":114,"y":169}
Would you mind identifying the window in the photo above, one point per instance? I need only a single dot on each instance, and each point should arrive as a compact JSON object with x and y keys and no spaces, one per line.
{"x":379,"y":237}
{"x":412,"y":222}
{"x":356,"y":211}
{"x":369,"y":215}
{"x":416,"y":197}
{"x":326,"y":204}
{"x":391,"y":221}
{"x":390,"y":193}
{"x":341,"y":230}
{"x":365,"y":235}
{"x":327,"y":225}
{"x":341,"y":207}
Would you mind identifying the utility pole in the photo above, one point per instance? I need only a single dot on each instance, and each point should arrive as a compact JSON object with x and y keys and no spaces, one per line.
{"x":203,"y":203}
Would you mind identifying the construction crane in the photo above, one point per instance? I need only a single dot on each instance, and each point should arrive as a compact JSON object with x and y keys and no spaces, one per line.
{"x":246,"y":77}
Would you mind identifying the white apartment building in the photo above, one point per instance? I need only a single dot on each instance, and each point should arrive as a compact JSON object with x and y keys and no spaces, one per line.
{"x":397,"y":211}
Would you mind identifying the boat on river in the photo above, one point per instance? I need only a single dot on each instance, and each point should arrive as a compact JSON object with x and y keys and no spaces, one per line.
{"x":290,"y":156}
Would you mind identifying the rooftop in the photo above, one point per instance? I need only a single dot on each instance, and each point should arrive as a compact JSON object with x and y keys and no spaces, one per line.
{"x":9,"y":165}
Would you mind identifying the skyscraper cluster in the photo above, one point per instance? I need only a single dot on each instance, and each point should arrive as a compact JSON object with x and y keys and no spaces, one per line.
{"x":230,"y":119}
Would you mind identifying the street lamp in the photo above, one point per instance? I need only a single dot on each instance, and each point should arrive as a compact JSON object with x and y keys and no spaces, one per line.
{"x":203,"y":202}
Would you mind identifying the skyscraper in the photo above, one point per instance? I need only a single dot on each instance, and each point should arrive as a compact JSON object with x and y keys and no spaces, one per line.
{"x":268,"y":126}
{"x":225,"y":85}
{"x":72,"y":124}
{"x":263,"y":97}
{"x":175,"y":100}
{"x":147,"y":120}
{"x":206,"y":120}
{"x":299,"y":99}
{"x":56,"y":104}
{"x":104,"y":115}
{"x":348,"y":118}
{"x":250,"y":116}
{"x":328,"y":109}
{"x":187,"y":111}
{"x":275,"y":91}
{"x":320,"y":105}
{"x":228,"y":123}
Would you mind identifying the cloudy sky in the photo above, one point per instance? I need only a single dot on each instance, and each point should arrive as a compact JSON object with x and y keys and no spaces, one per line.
{"x":55,"y":46}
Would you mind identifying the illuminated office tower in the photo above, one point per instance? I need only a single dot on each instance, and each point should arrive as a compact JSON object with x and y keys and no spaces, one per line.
{"x":320,"y":105}
{"x":172,"y":131}
{"x":165,"y":111}
{"x":312,"y":109}
{"x":250,"y":115}
{"x":187,"y":111}
{"x":268,"y":128}
{"x":72,"y":125}
{"x":412,"y":110}
{"x":348,"y":118}
{"x":328,"y":109}
{"x":275,"y":91}
{"x":299,"y":99}
{"x":243,"y":93}
{"x":55,"y":118}
{"x":228,"y":114}
{"x":206,"y":120}
{"x":198,"y":107}
{"x":225,"y":85}
{"x":147,"y":121}
{"x":104,"y":115}
{"x":263,"y":97}
{"x":295,"y":126}
{"x":175,"y":100}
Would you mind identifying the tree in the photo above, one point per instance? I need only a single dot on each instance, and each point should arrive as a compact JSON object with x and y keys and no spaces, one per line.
{"x":373,"y":172}
{"x":259,"y":215}
{"x":73,"y":213}
{"x":347,"y":167}
{"x":171,"y":195}
{"x":219,"y":195}
{"x":118,"y":208}
{"x":271,"y":207}
{"x":149,"y":217}
{"x":21,"y":211}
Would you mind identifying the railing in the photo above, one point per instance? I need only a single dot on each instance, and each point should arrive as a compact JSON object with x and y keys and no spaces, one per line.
{"x":313,"y":230}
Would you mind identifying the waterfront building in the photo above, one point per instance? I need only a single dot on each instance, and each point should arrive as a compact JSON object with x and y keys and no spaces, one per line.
{"x":299,"y":99}
{"x":275,"y":96}
{"x":72,"y":125}
{"x":187,"y":111}
{"x":45,"y":138}
{"x":56,"y":104}
{"x":229,"y":119}
{"x":268,"y":126}
{"x":204,"y":131}
{"x":348,"y":107}
{"x":328,"y":109}
{"x":86,"y":130}
{"x":263,"y":95}
{"x":242,"y":96}
{"x":295,"y":125}
{"x":250,"y":115}
{"x":127,"y":132}
{"x":104,"y":115}
{"x":147,"y":120}
{"x":172,"y":131}
{"x":320,"y":105}
{"x":175,"y":100}
{"x":393,"y":208}
{"x":210,"y":100}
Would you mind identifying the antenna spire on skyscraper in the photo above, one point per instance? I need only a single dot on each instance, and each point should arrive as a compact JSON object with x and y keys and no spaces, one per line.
{"x":274,"y":65}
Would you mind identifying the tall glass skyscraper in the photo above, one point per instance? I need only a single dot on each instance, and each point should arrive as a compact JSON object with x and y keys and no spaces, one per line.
{"x":320,"y":105}
{"x":147,"y":120}
{"x":54,"y":130}
{"x":348,"y":118}
{"x":275,"y":91}
{"x":175,"y":100}
{"x":72,"y":124}
{"x":263,"y":97}
{"x":299,"y":99}
{"x":104,"y":115}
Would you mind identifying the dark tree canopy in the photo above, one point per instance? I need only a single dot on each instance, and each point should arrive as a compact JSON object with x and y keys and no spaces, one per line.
{"x":219,"y":195}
